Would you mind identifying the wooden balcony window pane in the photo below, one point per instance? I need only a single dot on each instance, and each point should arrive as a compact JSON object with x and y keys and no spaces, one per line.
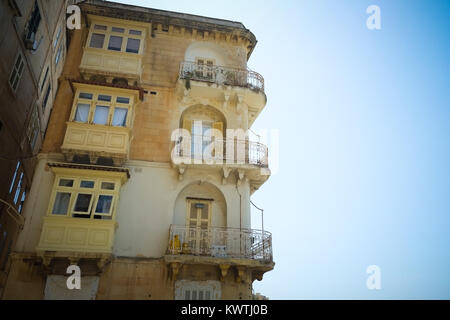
{"x":61,"y":203}
{"x":97,"y":40}
{"x":99,"y":27}
{"x":118,"y":30}
{"x":101,"y":115}
{"x":135,"y":32}
{"x":87,"y":184}
{"x":83,"y":202}
{"x":120,"y":117}
{"x":115,"y":43}
{"x":84,"y":95}
{"x":102,"y":97}
{"x":123,"y":100}
{"x":108,"y":185}
{"x":133,"y":45}
{"x":82,"y":112}
{"x":65,"y":183}
{"x":104,"y":204}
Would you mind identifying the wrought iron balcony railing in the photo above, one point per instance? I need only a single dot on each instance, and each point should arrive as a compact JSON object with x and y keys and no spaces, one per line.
{"x":222,"y":75}
{"x":199,"y":148}
{"x":221,"y":242}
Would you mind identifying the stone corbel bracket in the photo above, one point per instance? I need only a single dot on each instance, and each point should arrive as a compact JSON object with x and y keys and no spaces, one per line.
{"x":226,"y":173}
{"x":175,"y":268}
{"x":223,"y":271}
{"x":181,"y":171}
{"x":241,"y":176}
{"x":240,"y":273}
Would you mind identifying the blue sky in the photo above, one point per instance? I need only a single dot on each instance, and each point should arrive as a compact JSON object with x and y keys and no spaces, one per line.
{"x":364,"y":125}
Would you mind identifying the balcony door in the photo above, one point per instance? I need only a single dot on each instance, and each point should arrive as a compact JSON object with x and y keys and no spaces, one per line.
{"x":201,"y":139}
{"x":198,"y":221}
{"x":205,"y":69}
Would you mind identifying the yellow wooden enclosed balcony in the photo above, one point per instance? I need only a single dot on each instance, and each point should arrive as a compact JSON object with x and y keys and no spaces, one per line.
{"x":96,"y":140}
{"x":78,"y":235}
{"x":100,"y":122}
{"x":81,"y":213}
{"x":114,"y":48}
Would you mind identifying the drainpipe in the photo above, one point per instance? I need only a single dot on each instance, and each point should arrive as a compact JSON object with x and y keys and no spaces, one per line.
{"x":240,"y":218}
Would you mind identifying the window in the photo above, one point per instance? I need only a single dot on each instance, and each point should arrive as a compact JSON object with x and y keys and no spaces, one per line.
{"x":47,"y":95}
{"x":45,"y":78}
{"x":33,"y":128}
{"x":97,"y":40}
{"x":82,"y":113}
{"x":58,"y":35}
{"x":18,"y":186}
{"x":17,"y":71}
{"x":117,"y":38}
{"x":197,"y":290}
{"x":133,"y":45}
{"x":83,"y":197}
{"x":120,"y":117}
{"x":102,"y":109}
{"x":59,"y":53}
{"x":205,"y":68}
{"x":14,"y":177}
{"x":34,"y":21}
{"x":101,"y":115}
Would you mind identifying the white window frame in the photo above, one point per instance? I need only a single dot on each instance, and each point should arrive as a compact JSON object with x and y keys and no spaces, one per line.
{"x":182,"y":286}
{"x":17,"y":71}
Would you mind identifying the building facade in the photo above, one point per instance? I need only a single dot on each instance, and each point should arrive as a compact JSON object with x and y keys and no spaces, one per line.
{"x":32,"y":50}
{"x":146,"y":170}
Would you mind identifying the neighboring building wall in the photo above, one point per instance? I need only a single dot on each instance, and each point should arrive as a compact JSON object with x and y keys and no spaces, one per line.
{"x":26,"y":104}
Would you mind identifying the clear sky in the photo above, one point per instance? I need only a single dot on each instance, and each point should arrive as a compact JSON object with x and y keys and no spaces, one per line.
{"x":364,"y":127}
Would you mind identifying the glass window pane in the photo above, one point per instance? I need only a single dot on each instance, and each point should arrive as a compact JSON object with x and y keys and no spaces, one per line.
{"x":87,"y":184}
{"x":120,"y":117}
{"x":82,"y":113}
{"x":108,"y":185}
{"x":193,"y":211}
{"x":194,"y":295}
{"x":61,"y":203}
{"x":84,"y":95}
{"x":104,"y":204}
{"x":120,"y":30}
{"x":65,"y":183}
{"x":83,"y":202}
{"x":115,"y":43}
{"x":135,"y":32}
{"x":187,"y":295}
{"x":133,"y":45}
{"x":97,"y":40}
{"x":102,"y":97}
{"x":200,"y":295}
{"x":123,"y":100}
{"x":101,"y":115}
{"x":207,"y":295}
{"x":99,"y":27}
{"x":205,"y":212}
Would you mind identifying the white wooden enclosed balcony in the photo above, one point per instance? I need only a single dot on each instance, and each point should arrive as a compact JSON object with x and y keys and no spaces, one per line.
{"x":221,"y":243}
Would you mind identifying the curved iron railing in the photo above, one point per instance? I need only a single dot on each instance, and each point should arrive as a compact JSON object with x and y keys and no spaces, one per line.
{"x":231,"y":151}
{"x":220,"y":242}
{"x":222,"y":75}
